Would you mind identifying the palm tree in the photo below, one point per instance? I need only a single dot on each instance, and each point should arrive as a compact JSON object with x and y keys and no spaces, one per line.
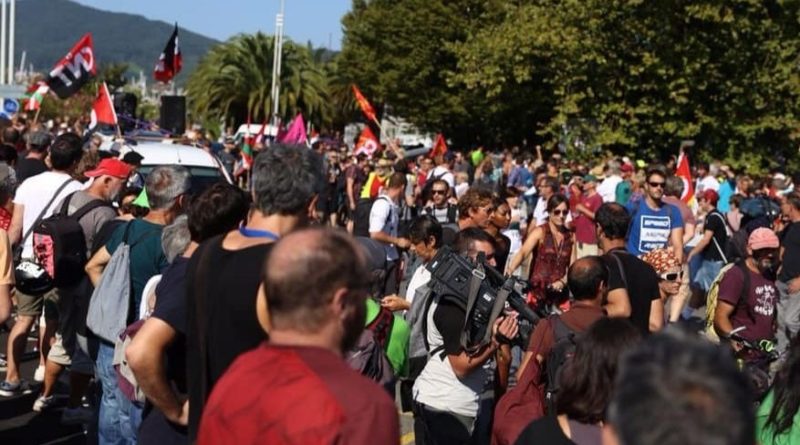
{"x":235,"y":80}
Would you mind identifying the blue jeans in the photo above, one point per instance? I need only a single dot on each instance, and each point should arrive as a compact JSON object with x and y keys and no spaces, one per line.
{"x":706,"y":274}
{"x":119,"y":417}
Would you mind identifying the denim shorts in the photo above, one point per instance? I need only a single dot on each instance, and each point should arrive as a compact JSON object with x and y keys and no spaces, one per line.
{"x":706,"y":274}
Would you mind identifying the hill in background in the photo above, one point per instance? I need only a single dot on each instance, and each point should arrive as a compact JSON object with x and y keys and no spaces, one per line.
{"x":47,"y":29}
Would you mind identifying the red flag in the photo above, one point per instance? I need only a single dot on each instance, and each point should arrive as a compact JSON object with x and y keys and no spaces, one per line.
{"x":103,"y":108}
{"x":684,"y":172}
{"x":366,"y":107}
{"x":170,"y":62}
{"x":74,"y":70}
{"x":439,"y":146}
{"x":367,"y":143}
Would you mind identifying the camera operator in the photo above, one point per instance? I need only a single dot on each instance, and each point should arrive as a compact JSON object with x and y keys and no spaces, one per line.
{"x":447,"y":393}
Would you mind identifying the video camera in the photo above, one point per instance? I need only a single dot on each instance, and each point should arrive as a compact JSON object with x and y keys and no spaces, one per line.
{"x":483,"y":293}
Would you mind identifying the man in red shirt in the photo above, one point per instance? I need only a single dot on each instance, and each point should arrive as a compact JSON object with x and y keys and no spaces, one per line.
{"x":585,"y":233}
{"x":296,"y":389}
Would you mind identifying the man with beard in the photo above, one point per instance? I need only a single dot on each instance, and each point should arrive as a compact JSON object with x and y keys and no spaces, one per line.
{"x":313,"y":319}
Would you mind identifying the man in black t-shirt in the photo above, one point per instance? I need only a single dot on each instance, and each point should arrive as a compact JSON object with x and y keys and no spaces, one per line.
{"x":632,"y":284}
{"x":33,"y":163}
{"x":788,"y":282}
{"x":712,"y":244}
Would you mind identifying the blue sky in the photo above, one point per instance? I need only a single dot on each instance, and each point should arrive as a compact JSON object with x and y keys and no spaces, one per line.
{"x":315,"y":20}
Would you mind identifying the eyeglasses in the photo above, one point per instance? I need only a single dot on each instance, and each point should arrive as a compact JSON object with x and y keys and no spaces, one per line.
{"x":439,"y":192}
{"x":671,"y":276}
{"x":559,"y":212}
{"x":656,"y":184}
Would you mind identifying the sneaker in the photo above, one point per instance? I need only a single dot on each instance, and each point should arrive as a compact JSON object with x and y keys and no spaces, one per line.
{"x":39,"y":374}
{"x":3,"y":363}
{"x":76,"y":416}
{"x":8,"y":389}
{"x":42,"y":403}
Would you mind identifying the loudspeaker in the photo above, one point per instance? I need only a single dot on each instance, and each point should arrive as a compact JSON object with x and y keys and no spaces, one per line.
{"x":173,"y":114}
{"x":125,"y":106}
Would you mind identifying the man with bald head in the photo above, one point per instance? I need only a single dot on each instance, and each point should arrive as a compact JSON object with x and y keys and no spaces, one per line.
{"x":296,"y":388}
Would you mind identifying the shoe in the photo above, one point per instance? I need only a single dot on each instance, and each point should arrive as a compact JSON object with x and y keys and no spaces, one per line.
{"x":39,"y":374}
{"x":8,"y":389}
{"x":3,"y":363}
{"x":42,"y":403}
{"x":76,"y":416}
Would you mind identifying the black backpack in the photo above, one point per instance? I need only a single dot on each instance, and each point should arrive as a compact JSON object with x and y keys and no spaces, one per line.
{"x":564,"y":342}
{"x":369,"y":355}
{"x":59,"y":243}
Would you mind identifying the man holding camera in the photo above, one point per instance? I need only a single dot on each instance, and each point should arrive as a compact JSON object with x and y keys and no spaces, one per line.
{"x":447,"y":392}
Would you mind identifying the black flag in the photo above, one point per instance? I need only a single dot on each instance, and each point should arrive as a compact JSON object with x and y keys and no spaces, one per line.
{"x":170,"y":62}
{"x":74,"y":70}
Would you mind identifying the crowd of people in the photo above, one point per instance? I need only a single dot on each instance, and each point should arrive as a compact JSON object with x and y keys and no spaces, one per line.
{"x":304,"y":308}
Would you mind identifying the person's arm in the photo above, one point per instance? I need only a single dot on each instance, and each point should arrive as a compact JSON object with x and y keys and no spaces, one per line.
{"x":722,"y":318}
{"x":395,"y":303}
{"x":585,"y":210}
{"x":464,"y":364}
{"x":701,"y":245}
{"x":688,"y":232}
{"x":530,"y":243}
{"x":676,"y":240}
{"x":656,"y":315}
{"x":618,"y":304}
{"x":94,"y":268}
{"x":383,"y":237}
{"x":15,"y":229}
{"x":502,"y":370}
{"x":145,"y":356}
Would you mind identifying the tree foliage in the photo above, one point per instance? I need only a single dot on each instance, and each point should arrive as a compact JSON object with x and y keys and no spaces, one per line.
{"x":632,"y":76}
{"x":235,"y":80}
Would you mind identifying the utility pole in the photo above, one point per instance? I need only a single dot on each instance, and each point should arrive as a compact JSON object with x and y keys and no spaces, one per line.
{"x":276,"y":65}
{"x":11,"y":32}
{"x":3,"y":32}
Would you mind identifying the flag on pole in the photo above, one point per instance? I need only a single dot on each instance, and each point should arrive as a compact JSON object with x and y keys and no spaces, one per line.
{"x":295,"y":132}
{"x":74,"y":70}
{"x":35,"y":95}
{"x":439,"y":146}
{"x":103,"y":108}
{"x":367,"y":143}
{"x":684,"y":172}
{"x":170,"y":61}
{"x":366,"y":107}
{"x":247,"y":148}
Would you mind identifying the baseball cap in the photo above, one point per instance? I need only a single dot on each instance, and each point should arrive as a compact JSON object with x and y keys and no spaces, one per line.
{"x":111,"y":167}
{"x":590,"y":178}
{"x":710,"y":196}
{"x":627,"y":168}
{"x":39,"y":139}
{"x":763,"y":238}
{"x":132,"y":158}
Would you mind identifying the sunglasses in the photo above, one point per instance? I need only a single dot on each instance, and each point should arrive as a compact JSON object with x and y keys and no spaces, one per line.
{"x":671,"y":276}
{"x":439,"y":192}
{"x":558,"y":212}
{"x":656,"y":184}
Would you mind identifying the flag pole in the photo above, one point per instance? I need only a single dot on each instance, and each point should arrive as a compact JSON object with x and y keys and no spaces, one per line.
{"x":36,"y":116}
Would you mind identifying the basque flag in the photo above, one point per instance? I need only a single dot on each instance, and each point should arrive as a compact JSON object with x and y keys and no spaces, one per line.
{"x":170,"y":62}
{"x":74,"y":70}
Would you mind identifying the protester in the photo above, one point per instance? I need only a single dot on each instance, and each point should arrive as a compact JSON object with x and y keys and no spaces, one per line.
{"x":498,"y":222}
{"x":108,"y":179}
{"x":33,"y":162}
{"x":553,"y":246}
{"x":547,"y":187}
{"x":223,"y":321}
{"x":695,"y":387}
{"x":778,"y":416}
{"x":36,"y":199}
{"x":586,"y":384}
{"x":608,"y":188}
{"x":590,"y":201}
{"x":654,"y":224}
{"x":440,"y":206}
{"x":474,"y":210}
{"x":788,"y":283}
{"x":355,"y":176}
{"x":712,"y":245}
{"x":669,"y":272}
{"x":312,"y":320}
{"x":157,"y":353}
{"x":383,"y":227}
{"x":167,"y":188}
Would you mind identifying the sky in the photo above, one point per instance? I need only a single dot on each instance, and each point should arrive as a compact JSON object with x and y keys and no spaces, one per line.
{"x":316,"y":20}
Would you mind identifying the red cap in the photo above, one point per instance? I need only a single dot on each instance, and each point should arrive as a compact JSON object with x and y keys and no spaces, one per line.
{"x":627,"y":168}
{"x":111,"y":167}
{"x":710,"y":196}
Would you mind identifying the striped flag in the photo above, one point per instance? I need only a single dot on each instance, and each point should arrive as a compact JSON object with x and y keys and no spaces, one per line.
{"x":35,"y":95}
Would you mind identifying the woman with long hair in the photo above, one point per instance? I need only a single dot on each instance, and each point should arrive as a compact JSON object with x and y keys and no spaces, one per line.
{"x":778,"y":417}
{"x":586,"y":382}
{"x":553,"y":246}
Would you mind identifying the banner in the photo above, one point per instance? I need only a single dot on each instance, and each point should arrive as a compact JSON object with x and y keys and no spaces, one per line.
{"x":295,"y":133}
{"x":170,"y":61}
{"x":103,"y":108}
{"x":367,"y":143}
{"x":439,"y":146}
{"x":684,"y":172}
{"x":74,"y":70}
{"x":366,"y":107}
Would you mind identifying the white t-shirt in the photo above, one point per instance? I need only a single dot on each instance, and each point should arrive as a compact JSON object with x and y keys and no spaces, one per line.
{"x":444,"y":174}
{"x":540,"y":211}
{"x":34,"y":193}
{"x":420,"y":278}
{"x":608,"y":188}
{"x":383,"y":217}
{"x":707,"y":183}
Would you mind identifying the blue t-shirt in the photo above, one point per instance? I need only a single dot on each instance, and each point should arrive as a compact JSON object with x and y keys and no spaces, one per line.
{"x":726,"y":190}
{"x":650,"y":229}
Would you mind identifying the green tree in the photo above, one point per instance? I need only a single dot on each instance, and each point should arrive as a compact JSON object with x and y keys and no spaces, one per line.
{"x":235,"y":79}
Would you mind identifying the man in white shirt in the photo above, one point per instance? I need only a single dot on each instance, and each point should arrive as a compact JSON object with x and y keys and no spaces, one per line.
{"x":705,"y":180}
{"x":444,"y":169}
{"x":38,"y":196}
{"x":383,"y":222}
{"x":608,"y":188}
{"x":547,"y":188}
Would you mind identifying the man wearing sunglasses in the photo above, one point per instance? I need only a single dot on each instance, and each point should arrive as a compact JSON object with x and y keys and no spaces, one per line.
{"x":654,"y":223}
{"x":749,"y":300}
{"x":439,"y":207}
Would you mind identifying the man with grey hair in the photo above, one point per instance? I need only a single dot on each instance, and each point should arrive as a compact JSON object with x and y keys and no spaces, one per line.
{"x":608,"y":188}
{"x":166,"y":187}
{"x":223,"y":321}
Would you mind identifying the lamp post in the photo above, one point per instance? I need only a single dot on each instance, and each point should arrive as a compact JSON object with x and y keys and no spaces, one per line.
{"x":276,"y":65}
